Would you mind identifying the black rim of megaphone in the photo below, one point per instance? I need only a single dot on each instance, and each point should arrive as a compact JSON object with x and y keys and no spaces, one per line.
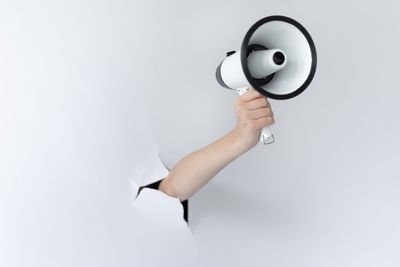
{"x":243,"y":55}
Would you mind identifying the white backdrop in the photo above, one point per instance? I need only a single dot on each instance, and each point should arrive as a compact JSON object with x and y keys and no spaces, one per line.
{"x":89,"y":88}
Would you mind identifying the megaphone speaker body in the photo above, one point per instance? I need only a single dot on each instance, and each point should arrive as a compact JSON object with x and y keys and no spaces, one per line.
{"x":277,"y":58}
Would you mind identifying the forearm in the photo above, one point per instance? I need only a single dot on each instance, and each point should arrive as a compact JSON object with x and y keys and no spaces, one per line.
{"x":199,"y":167}
{"x":253,"y":112}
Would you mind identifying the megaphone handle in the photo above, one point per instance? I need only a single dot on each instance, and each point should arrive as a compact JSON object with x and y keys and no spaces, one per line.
{"x":266,"y":136}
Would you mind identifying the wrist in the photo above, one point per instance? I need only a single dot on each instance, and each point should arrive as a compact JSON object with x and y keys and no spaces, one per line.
{"x":238,"y":142}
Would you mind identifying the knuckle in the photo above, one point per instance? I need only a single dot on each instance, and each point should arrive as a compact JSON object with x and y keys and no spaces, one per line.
{"x":270,"y":120}
{"x":266,"y":121}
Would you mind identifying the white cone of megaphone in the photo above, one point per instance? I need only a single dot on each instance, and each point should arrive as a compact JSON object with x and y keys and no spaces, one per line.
{"x":277,"y":58}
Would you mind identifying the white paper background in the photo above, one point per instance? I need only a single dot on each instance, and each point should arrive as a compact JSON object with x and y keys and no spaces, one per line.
{"x":90,"y":89}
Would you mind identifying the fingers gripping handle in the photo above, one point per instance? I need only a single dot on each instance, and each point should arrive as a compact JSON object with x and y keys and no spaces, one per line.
{"x":266,"y":136}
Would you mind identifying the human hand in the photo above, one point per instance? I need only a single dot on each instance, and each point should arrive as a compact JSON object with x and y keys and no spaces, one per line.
{"x":253,"y":112}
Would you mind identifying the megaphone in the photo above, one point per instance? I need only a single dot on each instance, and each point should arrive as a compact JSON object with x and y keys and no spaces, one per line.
{"x":277,"y":58}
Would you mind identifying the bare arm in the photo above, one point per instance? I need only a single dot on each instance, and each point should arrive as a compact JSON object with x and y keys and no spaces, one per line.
{"x":253,"y":112}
